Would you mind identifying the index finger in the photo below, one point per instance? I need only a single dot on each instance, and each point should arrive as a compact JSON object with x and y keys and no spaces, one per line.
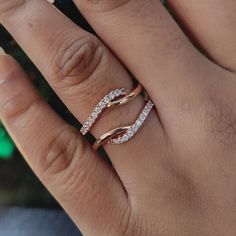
{"x":77,"y":177}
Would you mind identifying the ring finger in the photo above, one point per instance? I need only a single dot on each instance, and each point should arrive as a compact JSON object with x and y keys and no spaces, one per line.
{"x":81,"y":71}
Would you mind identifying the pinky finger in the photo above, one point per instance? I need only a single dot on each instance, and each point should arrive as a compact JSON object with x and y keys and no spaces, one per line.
{"x":81,"y":181}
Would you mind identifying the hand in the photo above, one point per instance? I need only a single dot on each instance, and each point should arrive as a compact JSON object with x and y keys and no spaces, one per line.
{"x":177,"y":175}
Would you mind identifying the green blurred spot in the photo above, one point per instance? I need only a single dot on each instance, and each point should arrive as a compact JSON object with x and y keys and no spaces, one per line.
{"x":6,"y":148}
{"x":6,"y":145}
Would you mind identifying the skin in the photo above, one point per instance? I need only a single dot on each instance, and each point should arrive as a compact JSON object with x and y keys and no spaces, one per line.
{"x":177,"y":175}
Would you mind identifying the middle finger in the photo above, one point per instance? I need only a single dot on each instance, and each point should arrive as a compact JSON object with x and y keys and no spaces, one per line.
{"x":148,"y":40}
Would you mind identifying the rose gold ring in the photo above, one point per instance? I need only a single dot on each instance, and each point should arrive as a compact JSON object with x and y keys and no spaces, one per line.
{"x":117,"y":97}
{"x":123,"y":134}
{"x":127,"y":98}
{"x":109,"y":135}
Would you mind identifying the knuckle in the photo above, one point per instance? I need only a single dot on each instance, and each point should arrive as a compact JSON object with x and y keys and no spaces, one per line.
{"x":78,"y":61}
{"x":8,"y":68}
{"x":220,"y":121}
{"x":60,"y":153}
{"x":11,"y":5}
{"x":127,"y":224}
{"x":64,"y":167}
{"x":17,"y":106}
{"x":103,"y":5}
{"x":79,"y":184}
{"x":14,"y":103}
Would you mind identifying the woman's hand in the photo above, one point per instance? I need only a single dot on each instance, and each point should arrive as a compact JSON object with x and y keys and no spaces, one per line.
{"x":177,"y":175}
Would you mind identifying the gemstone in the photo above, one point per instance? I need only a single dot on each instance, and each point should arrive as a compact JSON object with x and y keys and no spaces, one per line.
{"x":118,"y":140}
{"x":111,"y":95}
{"x":117,"y":92}
{"x":106,"y":99}
{"x":98,"y":109}
{"x":94,"y":115}
{"x":142,"y":117}
{"x":138,"y":123}
{"x":102,"y":104}
{"x":130,"y":133}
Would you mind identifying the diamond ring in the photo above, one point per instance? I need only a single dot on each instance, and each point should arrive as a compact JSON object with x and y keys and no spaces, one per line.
{"x":117,"y":97}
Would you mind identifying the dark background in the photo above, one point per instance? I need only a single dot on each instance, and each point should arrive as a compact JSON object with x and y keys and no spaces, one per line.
{"x":18,"y":185}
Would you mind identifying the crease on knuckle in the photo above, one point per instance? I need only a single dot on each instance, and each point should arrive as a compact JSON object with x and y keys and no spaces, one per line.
{"x":64,"y":167}
{"x":17,"y":106}
{"x":103,"y":5}
{"x":61,"y":153}
{"x":220,"y":121}
{"x":80,"y":183}
{"x":7,"y":7}
{"x":127,"y":223}
{"x":76,"y":62}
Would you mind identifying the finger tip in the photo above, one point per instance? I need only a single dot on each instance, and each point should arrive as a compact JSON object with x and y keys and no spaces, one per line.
{"x":7,"y":66}
{"x":4,"y":58}
{"x":2,"y":51}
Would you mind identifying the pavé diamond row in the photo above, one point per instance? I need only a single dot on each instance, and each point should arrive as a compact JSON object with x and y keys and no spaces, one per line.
{"x":117,"y":97}
{"x":135,"y":127}
{"x":103,"y":104}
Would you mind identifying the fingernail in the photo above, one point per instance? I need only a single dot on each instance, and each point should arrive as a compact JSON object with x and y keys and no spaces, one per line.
{"x":2,"y":52}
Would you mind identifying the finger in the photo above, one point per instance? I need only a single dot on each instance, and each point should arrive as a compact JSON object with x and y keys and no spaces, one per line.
{"x":212,"y":25}
{"x":82,"y":71}
{"x":153,"y":47}
{"x":82,"y":183}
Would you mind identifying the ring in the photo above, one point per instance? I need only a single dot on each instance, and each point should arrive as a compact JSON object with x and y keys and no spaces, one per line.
{"x":117,"y":97}
{"x":110,"y":100}
{"x":123,"y":134}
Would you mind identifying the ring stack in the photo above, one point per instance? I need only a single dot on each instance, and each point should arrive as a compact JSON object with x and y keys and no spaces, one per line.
{"x":117,"y":97}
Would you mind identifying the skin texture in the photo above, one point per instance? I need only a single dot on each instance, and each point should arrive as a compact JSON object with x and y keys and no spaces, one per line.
{"x":177,"y":176}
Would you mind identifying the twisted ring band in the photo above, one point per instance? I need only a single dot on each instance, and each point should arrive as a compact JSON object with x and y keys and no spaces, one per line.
{"x":117,"y":97}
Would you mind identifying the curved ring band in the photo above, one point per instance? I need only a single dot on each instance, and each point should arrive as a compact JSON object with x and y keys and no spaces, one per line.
{"x":109,"y":135}
{"x":110,"y":100}
{"x":127,"y":98}
{"x":123,"y":134}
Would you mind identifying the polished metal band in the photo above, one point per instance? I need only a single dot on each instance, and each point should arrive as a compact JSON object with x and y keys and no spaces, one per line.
{"x":123,"y":134}
{"x":117,"y":97}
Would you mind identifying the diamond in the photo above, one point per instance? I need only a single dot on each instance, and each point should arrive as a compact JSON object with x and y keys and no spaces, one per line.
{"x":117,"y":92}
{"x":135,"y":128}
{"x":102,"y":104}
{"x":94,"y":115}
{"x":130,"y":133}
{"x":90,"y":120}
{"x":98,"y":109}
{"x":125,"y":137}
{"x":123,"y":91}
{"x":112,"y":95}
{"x":118,"y":140}
{"x":142,"y":117}
{"x":86,"y":125}
{"x":106,"y":99}
{"x":138,"y":123}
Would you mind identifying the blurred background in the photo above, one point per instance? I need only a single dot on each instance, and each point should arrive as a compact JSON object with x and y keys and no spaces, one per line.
{"x":18,"y":185}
